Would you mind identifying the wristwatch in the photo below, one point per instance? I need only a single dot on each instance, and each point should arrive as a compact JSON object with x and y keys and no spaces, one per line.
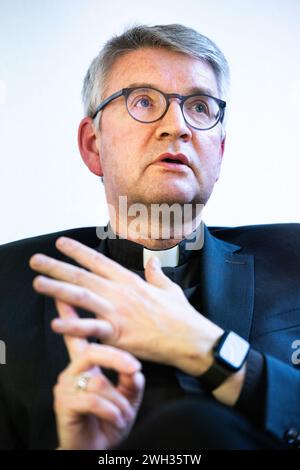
{"x":230,"y":353}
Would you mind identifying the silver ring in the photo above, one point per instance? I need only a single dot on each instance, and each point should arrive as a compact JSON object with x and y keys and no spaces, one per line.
{"x":82,"y":381}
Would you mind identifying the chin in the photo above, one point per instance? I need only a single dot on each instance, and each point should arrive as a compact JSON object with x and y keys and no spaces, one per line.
{"x":167,"y":194}
{"x":174,"y":195}
{"x":168,"y":199}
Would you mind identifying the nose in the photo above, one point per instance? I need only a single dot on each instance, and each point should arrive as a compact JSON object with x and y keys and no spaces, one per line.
{"x":173,"y":126}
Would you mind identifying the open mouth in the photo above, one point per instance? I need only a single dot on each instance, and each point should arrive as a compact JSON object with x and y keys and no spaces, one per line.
{"x":173,"y":162}
{"x":170,"y":160}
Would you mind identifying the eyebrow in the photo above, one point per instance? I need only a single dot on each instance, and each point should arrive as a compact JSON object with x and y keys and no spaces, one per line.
{"x":191,"y":91}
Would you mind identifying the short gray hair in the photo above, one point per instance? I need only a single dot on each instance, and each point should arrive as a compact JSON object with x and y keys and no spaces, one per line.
{"x":173,"y":37}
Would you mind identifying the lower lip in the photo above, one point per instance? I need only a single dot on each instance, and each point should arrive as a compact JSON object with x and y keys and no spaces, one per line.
{"x":172,"y":166}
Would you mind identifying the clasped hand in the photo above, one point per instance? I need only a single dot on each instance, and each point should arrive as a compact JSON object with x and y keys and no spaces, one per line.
{"x":151,"y":319}
{"x":134,"y":319}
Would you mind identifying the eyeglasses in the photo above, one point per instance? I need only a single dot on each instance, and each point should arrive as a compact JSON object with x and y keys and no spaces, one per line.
{"x":147,"y":105}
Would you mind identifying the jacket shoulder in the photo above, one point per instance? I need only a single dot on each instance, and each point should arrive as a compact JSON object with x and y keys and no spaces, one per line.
{"x":268,"y":237}
{"x":46,"y":243}
{"x":15,"y":273}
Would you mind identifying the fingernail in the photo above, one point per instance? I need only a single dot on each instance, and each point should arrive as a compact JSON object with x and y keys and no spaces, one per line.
{"x":156,"y":262}
{"x":139,"y":379}
{"x":58,"y":323}
{"x":137,"y":366}
{"x":61,"y":241}
{"x":38,"y":259}
{"x":40,"y":282}
{"x":132,"y":366}
{"x":121,"y":423}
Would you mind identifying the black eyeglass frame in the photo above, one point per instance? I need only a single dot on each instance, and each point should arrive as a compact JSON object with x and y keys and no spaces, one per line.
{"x":126,"y":92}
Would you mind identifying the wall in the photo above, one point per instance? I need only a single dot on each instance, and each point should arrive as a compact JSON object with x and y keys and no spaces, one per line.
{"x":46,"y":47}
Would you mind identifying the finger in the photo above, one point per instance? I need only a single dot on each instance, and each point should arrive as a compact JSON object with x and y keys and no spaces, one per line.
{"x":74,"y":345}
{"x":97,"y":383}
{"x":68,"y":272}
{"x":132,"y":387}
{"x":93,"y":260}
{"x":90,"y":403}
{"x":84,"y":328}
{"x":66,"y":311}
{"x":155,"y":275}
{"x":74,"y":295}
{"x":104,"y":356}
{"x":101,"y":385}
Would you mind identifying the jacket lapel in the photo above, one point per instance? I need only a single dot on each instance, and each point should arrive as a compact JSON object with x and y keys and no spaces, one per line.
{"x":227,"y":285}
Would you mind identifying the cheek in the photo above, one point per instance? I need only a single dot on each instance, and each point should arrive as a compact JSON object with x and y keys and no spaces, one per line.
{"x":209,"y":150}
{"x":125,"y":145}
{"x":118,"y":157}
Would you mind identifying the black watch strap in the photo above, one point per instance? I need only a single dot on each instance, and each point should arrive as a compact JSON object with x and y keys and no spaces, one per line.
{"x":214,"y":377}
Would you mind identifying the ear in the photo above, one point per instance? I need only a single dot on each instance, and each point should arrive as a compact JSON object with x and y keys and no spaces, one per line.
{"x":223,"y":137}
{"x":88,"y":146}
{"x":222,"y":150}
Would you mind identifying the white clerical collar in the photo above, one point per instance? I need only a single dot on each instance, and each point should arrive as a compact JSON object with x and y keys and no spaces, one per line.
{"x":168,"y":257}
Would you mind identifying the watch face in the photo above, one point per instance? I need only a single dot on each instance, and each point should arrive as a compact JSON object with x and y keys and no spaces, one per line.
{"x":233,"y":351}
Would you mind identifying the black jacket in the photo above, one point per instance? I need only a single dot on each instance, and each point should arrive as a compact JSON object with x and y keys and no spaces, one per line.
{"x":250,"y":284}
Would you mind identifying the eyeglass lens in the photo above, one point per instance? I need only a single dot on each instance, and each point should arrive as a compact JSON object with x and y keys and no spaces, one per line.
{"x":147,"y":105}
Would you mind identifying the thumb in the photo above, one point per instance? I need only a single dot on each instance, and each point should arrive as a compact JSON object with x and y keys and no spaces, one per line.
{"x":154,"y":274}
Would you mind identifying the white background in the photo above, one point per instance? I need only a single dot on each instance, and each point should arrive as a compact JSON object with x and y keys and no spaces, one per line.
{"x":45,"y":49}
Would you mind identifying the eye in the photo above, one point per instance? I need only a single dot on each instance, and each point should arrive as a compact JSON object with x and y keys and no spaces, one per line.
{"x":143,"y":102}
{"x":197,"y":106}
{"x":200,"y":107}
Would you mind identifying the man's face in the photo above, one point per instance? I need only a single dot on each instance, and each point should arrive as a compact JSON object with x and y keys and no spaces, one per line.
{"x":128,"y":148}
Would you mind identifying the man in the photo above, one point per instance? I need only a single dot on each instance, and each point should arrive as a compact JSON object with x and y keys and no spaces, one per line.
{"x":212,"y":329}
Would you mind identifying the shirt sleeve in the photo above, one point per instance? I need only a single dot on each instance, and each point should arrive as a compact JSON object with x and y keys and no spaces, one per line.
{"x":251,"y":401}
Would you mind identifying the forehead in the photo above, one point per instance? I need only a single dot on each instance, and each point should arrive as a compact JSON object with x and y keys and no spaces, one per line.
{"x":167,"y":70}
